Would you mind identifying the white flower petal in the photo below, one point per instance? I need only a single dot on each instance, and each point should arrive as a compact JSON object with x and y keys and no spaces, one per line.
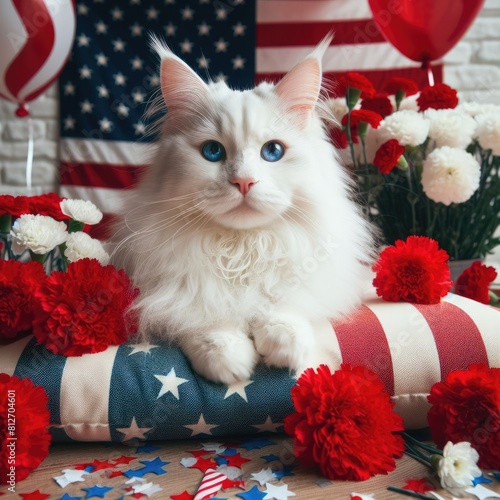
{"x":450,"y":128}
{"x":458,"y":467}
{"x":80,"y":245}
{"x":488,"y":131}
{"x":408,"y":127}
{"x":450,"y":175}
{"x":82,"y":211}
{"x":38,"y":233}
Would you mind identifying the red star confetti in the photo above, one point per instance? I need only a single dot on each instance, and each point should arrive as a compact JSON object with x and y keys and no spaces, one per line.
{"x":418,"y":485}
{"x":100,"y":465}
{"x":229,"y":483}
{"x":123,"y":460}
{"x":204,"y":464}
{"x":34,"y":495}
{"x":115,"y":473}
{"x":236,"y":460}
{"x":199,"y":453}
{"x":182,"y":496}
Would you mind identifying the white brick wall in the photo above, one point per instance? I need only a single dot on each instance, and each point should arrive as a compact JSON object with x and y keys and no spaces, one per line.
{"x":472,"y":67}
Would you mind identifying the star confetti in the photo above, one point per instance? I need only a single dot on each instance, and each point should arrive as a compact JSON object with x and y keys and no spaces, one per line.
{"x":123,"y":460}
{"x":361,"y":496}
{"x":188,"y":462}
{"x":182,"y":496}
{"x":253,"y":494}
{"x":70,"y":476}
{"x":286,"y":470}
{"x":418,"y":485}
{"x":155,"y":466}
{"x":204,"y":464}
{"x":481,"y":492}
{"x":278,"y":492}
{"x":147,"y":449}
{"x":97,"y":491}
{"x":34,"y":495}
{"x":481,"y":480}
{"x":264,"y":476}
{"x":216,"y":448}
{"x":256,"y":444}
{"x":270,"y":458}
{"x":69,"y":497}
{"x":237,"y":460}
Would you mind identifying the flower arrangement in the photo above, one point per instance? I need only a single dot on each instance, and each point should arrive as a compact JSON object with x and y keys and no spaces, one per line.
{"x":426,"y":165}
{"x":345,"y":425}
{"x":55,"y":280}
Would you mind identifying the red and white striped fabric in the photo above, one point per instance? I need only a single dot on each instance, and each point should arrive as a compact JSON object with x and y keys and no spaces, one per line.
{"x":100,"y":155}
{"x":210,"y":484}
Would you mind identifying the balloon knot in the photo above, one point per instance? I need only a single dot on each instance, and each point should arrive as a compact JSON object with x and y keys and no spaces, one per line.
{"x":22,"y":111}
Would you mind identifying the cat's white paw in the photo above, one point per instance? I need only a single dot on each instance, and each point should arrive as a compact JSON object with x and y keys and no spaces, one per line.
{"x":284,"y":340}
{"x":226,"y":356}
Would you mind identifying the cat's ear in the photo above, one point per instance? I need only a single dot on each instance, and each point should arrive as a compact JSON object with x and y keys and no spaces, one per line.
{"x":299,"y":89}
{"x":181,"y":87}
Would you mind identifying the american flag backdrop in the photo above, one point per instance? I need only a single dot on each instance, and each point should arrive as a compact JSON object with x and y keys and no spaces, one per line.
{"x":112,"y":73}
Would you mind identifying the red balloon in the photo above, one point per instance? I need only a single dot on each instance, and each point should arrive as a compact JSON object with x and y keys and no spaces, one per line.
{"x":36,"y":37}
{"x":424,"y":30}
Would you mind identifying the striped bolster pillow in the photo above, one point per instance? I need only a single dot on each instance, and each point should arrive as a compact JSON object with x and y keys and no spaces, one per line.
{"x":150,"y":392}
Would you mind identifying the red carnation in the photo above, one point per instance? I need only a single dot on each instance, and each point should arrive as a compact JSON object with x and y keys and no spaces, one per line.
{"x":474,"y":282}
{"x":466,"y":407}
{"x":414,"y":270}
{"x":27,"y":403}
{"x":398,"y":84}
{"x":439,"y":96}
{"x":356,"y":81}
{"x":388,"y":155}
{"x":14,"y":205}
{"x":47,"y":204}
{"x":83,"y":310}
{"x":344,"y":422}
{"x":18,"y":283}
{"x":379,"y":103}
{"x":362,"y":115}
{"x":339,"y":138}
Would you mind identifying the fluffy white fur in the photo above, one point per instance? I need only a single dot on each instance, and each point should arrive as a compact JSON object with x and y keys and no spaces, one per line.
{"x":235,"y":278}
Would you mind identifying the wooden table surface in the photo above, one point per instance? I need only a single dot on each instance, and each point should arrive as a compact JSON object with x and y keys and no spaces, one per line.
{"x":306,"y":484}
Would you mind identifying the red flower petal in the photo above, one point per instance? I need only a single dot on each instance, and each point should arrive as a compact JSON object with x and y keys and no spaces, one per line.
{"x":362,"y":115}
{"x":14,"y":206}
{"x":397,"y":83}
{"x":474,"y":282}
{"x":379,"y":103}
{"x":414,"y":270}
{"x":18,"y":282}
{"x":439,"y":96}
{"x":47,"y":204}
{"x":83,"y":310}
{"x":357,"y":81}
{"x":466,"y":407}
{"x":344,"y":423}
{"x":388,"y":155}
{"x":32,"y":418}
{"x":339,"y":138}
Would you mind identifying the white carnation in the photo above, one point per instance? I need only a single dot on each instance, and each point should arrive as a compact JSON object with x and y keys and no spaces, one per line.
{"x":475,"y":108}
{"x":450,"y":128}
{"x":458,"y":467}
{"x":410,"y":103}
{"x":82,"y":211}
{"x":338,"y":108}
{"x":450,"y":175}
{"x":488,"y":131}
{"x":38,"y":233}
{"x":80,"y":245}
{"x":408,"y":127}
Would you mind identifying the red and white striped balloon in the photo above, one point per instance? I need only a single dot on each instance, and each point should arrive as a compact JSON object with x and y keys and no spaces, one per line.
{"x":36,"y":37}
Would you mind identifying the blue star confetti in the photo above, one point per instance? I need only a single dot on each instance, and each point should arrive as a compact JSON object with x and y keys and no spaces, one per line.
{"x":68,"y":497}
{"x":256,"y":444}
{"x":155,"y":466}
{"x":96,"y":491}
{"x":147,"y":449}
{"x":271,"y":458}
{"x":481,"y":480}
{"x":253,"y":494}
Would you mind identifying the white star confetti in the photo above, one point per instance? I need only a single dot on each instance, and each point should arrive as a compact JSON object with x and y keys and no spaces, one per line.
{"x":264,"y":476}
{"x":278,"y":492}
{"x":70,"y":476}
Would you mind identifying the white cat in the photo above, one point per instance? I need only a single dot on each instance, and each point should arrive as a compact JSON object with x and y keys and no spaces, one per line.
{"x":242,"y":233}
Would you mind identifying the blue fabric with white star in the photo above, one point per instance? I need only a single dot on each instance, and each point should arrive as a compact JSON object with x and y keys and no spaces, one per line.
{"x":155,"y":395}
{"x":112,"y":72}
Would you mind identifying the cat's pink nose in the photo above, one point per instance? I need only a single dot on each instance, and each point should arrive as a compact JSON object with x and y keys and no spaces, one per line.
{"x":243,"y":184}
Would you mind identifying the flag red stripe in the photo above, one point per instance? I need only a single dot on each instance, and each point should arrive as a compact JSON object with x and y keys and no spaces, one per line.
{"x":102,"y":175}
{"x":377,"y":77}
{"x":298,"y":35}
{"x":371,"y":349}
{"x":458,"y":342}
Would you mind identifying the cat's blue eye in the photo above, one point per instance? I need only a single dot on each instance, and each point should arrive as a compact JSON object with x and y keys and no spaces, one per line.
{"x":272,"y":151}
{"x":213,"y":151}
